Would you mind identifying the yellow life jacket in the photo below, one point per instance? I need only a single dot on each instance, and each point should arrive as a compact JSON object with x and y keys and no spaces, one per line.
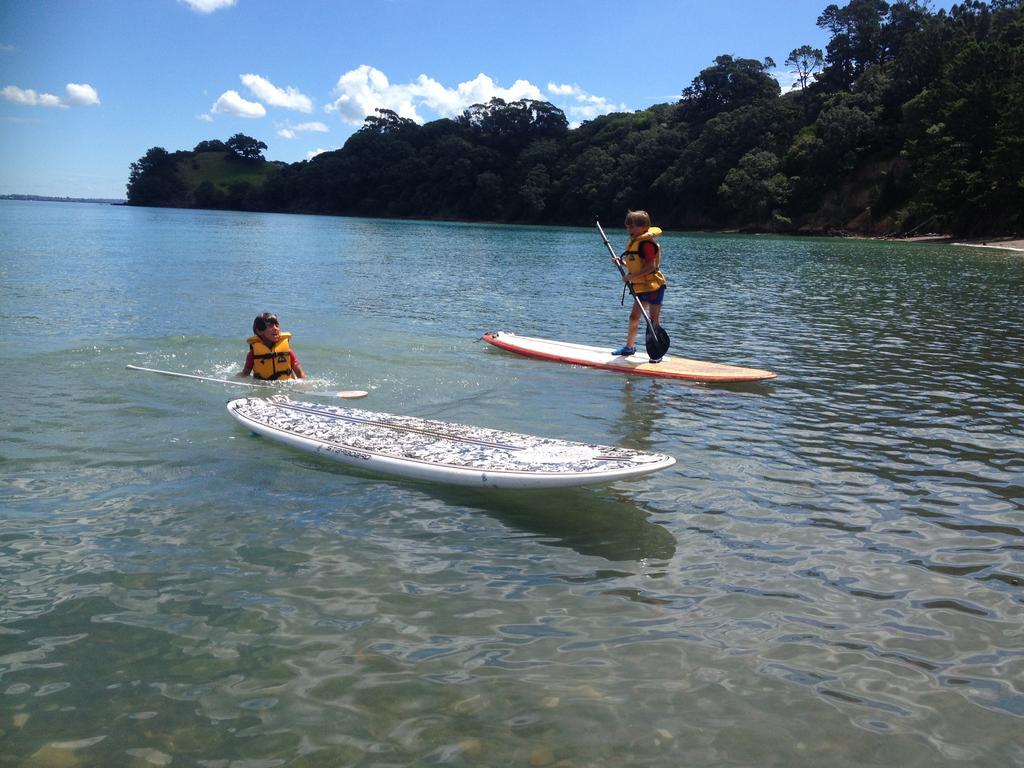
{"x":270,"y":364}
{"x":635,"y":263}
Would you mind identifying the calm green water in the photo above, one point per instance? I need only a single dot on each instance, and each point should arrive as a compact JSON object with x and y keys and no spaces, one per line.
{"x":832,"y":573}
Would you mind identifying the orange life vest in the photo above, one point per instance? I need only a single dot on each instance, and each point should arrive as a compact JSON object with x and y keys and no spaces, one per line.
{"x":274,"y":363}
{"x":635,"y":263}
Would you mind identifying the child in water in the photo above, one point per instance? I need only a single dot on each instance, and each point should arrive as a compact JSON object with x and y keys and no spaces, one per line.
{"x":642,"y":262}
{"x":270,"y":355}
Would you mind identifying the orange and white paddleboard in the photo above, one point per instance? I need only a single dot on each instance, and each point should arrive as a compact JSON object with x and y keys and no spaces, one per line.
{"x":601,"y":357}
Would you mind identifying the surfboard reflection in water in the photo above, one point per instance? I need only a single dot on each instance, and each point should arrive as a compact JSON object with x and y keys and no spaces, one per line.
{"x":590,"y":521}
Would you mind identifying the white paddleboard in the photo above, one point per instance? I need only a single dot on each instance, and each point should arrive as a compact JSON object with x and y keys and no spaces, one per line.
{"x":601,"y":357}
{"x":439,"y":451}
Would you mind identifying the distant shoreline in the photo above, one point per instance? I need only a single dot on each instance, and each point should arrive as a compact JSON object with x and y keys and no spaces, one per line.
{"x":47,"y":199}
{"x":998,"y":243}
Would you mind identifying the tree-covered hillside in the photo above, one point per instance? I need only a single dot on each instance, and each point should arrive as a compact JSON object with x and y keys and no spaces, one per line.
{"x":909,"y":120}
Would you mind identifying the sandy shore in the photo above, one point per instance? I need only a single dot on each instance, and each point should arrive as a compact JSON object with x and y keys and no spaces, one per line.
{"x":1001,"y":243}
{"x":1005,"y":245}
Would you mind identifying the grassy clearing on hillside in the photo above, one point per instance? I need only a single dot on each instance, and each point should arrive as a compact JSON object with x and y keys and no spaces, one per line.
{"x":223,"y":169}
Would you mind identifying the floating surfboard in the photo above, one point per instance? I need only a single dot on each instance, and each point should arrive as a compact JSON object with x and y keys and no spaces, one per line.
{"x":601,"y":357}
{"x":439,"y":451}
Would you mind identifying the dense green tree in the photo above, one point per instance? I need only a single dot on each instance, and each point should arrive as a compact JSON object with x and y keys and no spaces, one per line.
{"x":245,"y":147}
{"x":387,"y":122}
{"x":729,"y":84}
{"x":757,"y":190}
{"x":208,"y":195}
{"x":154,"y":180}
{"x":965,"y":140}
{"x":858,"y":40}
{"x":691,"y":185}
{"x":525,"y":119}
{"x":509,"y":127}
{"x":215,"y":145}
{"x":535,"y":189}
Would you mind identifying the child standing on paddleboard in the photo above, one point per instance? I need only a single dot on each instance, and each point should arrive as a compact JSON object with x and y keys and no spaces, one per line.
{"x":642,"y":262}
{"x":270,"y":355}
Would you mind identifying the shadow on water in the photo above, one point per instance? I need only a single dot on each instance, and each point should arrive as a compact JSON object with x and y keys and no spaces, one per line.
{"x":590,"y":521}
{"x":653,"y":395}
{"x":647,"y":414}
{"x":762,"y":388}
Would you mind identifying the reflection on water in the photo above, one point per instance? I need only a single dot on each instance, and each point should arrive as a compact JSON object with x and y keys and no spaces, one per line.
{"x":832,"y":573}
{"x":593,"y":523}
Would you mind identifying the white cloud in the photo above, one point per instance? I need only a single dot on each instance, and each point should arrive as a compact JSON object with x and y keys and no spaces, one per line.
{"x":82,"y":94}
{"x":5,"y":48}
{"x":481,"y":89}
{"x":266,"y":91}
{"x":787,"y":80}
{"x":581,"y":105}
{"x":289,"y":131}
{"x":562,"y":90}
{"x":208,"y":6}
{"x":230,"y":103}
{"x":29,"y":98}
{"x":79,"y":95}
{"x":205,"y":118}
{"x":361,"y":91}
{"x":318,"y":151}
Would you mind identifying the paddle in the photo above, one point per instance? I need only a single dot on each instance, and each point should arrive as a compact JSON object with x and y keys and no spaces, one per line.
{"x":347,"y":393}
{"x":655,"y":338}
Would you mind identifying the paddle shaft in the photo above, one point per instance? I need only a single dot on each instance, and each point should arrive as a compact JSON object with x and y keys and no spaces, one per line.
{"x":347,"y":393}
{"x":193,"y":376}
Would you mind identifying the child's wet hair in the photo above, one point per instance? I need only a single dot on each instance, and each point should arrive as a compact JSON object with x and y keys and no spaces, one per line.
{"x":259,"y":325}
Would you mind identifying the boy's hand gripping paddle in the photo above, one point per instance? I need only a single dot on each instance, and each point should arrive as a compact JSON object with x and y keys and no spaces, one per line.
{"x":655,"y":338}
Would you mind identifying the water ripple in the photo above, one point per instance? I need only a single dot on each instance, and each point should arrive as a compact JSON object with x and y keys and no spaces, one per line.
{"x":831,"y":573}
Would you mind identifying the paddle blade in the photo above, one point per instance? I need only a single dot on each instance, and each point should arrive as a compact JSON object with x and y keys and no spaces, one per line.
{"x":352,"y":393}
{"x":657,"y":341}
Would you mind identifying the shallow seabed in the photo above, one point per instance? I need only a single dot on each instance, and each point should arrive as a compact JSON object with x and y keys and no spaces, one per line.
{"x":831,"y":574}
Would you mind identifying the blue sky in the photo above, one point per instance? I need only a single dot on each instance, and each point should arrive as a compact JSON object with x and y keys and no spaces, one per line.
{"x":86,"y":87}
